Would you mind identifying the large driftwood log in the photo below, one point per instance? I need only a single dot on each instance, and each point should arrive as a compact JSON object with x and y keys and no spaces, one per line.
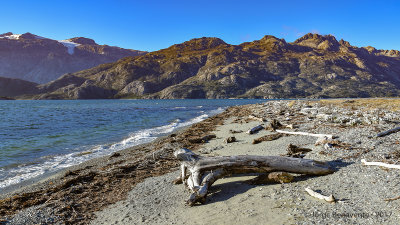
{"x":199,"y":173}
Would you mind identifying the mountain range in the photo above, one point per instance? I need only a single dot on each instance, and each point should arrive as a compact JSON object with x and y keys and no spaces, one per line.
{"x":38,"y":59}
{"x":313,"y":66}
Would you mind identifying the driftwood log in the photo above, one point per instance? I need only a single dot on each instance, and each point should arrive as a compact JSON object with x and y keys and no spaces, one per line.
{"x":255,"y":129}
{"x":392,"y":166}
{"x":391,"y":131}
{"x":307,"y":134}
{"x":202,"y":139}
{"x":268,"y":137}
{"x":392,"y":199}
{"x":296,"y":152}
{"x":252,"y":117}
{"x":320,"y":196}
{"x":199,"y":173}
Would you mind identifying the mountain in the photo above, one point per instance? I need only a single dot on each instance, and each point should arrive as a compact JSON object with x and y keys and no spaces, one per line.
{"x":15,"y":87}
{"x":41,"y":60}
{"x":314,"y":66}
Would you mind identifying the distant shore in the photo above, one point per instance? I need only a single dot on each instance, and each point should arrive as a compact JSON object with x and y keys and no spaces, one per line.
{"x":6,"y":98}
{"x":104,"y":185}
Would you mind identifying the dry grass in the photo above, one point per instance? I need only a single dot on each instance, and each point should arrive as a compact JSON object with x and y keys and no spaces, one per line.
{"x":392,"y":104}
{"x":291,"y":103}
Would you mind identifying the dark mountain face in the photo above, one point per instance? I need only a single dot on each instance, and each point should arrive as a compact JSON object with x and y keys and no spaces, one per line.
{"x":313,"y":66}
{"x":14,"y":87}
{"x":37,"y":59}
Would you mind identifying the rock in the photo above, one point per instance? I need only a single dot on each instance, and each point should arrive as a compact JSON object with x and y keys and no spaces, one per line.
{"x":115,"y":154}
{"x":230,"y":139}
{"x":83,"y":41}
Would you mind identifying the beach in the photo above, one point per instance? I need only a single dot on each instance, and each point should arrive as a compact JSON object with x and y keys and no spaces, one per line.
{"x":134,"y":186}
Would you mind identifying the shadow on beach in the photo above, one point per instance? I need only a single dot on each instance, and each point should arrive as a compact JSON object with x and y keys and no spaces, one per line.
{"x":225,"y":191}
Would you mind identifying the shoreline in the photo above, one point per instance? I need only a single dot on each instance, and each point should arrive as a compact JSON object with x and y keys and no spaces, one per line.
{"x":107,"y":184}
{"x":35,"y":183}
{"x":53,"y":149}
{"x":27,"y":176}
{"x":42,"y":188}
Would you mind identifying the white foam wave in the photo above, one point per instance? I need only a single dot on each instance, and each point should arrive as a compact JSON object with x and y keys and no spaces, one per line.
{"x":193,"y":121}
{"x":216,"y":111}
{"x":25,"y":172}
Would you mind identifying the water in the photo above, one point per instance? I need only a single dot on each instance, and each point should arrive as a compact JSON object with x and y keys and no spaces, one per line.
{"x":38,"y":137}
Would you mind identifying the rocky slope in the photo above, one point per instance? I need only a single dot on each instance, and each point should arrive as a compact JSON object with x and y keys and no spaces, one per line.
{"x":41,"y":60}
{"x":14,"y":87}
{"x":313,"y":66}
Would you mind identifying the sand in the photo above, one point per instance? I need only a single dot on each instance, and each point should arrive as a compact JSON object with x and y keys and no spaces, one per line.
{"x":231,"y":201}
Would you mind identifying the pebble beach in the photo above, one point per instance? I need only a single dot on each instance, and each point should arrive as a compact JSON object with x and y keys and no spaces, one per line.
{"x":134,"y":186}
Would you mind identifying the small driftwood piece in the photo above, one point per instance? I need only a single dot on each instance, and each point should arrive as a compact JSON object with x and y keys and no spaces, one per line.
{"x":202,"y":139}
{"x":252,"y":117}
{"x":391,"y":131}
{"x":255,"y":129}
{"x":199,"y":173}
{"x":306,"y":134}
{"x":269,"y":137}
{"x":392,"y":199}
{"x":290,"y":126}
{"x":296,"y":152}
{"x":319,"y":196}
{"x":235,"y":131}
{"x":273,"y":125}
{"x":324,"y":140}
{"x":392,"y":166}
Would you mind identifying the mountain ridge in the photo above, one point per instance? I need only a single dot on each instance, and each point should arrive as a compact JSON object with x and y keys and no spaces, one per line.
{"x":38,"y":59}
{"x":313,"y":66}
{"x":10,"y":87}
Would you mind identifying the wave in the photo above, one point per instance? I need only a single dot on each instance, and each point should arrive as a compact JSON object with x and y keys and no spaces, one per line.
{"x":55,"y":163}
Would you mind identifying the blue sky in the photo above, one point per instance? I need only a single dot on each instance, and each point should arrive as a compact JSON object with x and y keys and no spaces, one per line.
{"x":153,"y":25}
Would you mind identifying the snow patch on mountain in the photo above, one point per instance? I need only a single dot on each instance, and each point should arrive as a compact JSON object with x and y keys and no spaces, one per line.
{"x":70,"y":46}
{"x":17,"y":36}
{"x":12,"y":36}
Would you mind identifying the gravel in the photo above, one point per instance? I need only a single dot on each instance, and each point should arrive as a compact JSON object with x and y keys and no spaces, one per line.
{"x":35,"y":215}
{"x":360,"y":190}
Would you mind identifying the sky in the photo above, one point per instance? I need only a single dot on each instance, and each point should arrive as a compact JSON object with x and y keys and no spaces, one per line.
{"x":150,"y":25}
